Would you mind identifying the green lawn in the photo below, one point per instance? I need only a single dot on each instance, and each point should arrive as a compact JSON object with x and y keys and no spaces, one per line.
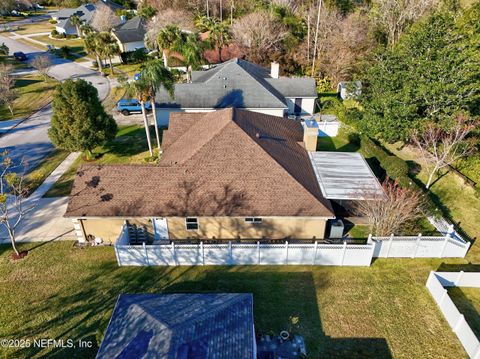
{"x":383,"y":311}
{"x":456,"y":199}
{"x":77,"y":46}
{"x":130,"y":146}
{"x":35,"y":28}
{"x":467,"y":301}
{"x":36,"y":177}
{"x":34,"y":93}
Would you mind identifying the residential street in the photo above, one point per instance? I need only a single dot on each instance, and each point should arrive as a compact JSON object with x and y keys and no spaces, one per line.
{"x":29,"y":140}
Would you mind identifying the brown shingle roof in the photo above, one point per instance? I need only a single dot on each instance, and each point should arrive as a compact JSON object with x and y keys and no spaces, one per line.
{"x":214,"y":166}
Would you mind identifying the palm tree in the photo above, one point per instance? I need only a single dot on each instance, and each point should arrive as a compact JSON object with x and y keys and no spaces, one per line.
{"x":77,"y":22}
{"x":142,"y":92}
{"x":156,"y":76}
{"x":93,"y":48}
{"x":192,"y":51}
{"x":219,"y":36}
{"x":167,"y":39}
{"x":108,"y":47}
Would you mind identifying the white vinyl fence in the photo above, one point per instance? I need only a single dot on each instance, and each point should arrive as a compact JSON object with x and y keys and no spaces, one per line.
{"x":435,"y":284}
{"x":230,"y":253}
{"x":420,"y":247}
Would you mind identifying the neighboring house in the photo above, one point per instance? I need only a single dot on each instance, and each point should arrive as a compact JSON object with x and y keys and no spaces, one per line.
{"x":130,"y":35}
{"x":84,"y":12}
{"x":183,"y":326}
{"x":240,"y":84}
{"x":227,"y":174}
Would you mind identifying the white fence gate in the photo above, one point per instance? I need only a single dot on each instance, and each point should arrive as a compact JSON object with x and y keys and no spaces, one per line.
{"x":435,"y":284}
{"x":229,"y":253}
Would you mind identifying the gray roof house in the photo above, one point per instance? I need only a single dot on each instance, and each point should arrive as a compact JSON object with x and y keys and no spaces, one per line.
{"x":130,"y":35}
{"x":84,"y":12}
{"x":181,"y":326}
{"x":240,"y":84}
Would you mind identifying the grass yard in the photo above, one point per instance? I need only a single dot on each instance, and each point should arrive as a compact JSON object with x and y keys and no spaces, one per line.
{"x":383,"y":311}
{"x":36,"y":177}
{"x":35,"y":28}
{"x":77,"y":46}
{"x":34,"y":93}
{"x":457,"y":200}
{"x":130,"y":146}
{"x":467,"y":301}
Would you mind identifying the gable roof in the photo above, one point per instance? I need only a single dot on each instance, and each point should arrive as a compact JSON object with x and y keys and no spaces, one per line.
{"x":236,"y":83}
{"x":216,"y":325}
{"x":132,"y":30}
{"x":223,"y":163}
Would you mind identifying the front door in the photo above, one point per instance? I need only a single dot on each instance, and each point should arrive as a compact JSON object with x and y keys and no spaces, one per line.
{"x":160,"y":228}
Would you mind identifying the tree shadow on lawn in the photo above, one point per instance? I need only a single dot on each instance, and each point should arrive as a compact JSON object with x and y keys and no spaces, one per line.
{"x":129,"y":143}
{"x":26,"y":82}
{"x":84,"y":312}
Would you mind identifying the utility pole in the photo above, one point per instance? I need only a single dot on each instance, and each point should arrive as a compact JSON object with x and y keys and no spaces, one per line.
{"x":316,"y":38}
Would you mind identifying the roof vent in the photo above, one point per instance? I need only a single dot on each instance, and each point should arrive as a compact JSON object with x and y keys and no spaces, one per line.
{"x":257,"y":135}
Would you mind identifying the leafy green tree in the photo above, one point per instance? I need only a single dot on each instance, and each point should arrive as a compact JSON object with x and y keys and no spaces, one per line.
{"x":93,"y":47}
{"x":192,"y":50}
{"x":79,"y":121}
{"x":147,"y":12}
{"x":77,"y":22}
{"x":167,"y":39}
{"x":429,"y":76}
{"x":156,"y":76}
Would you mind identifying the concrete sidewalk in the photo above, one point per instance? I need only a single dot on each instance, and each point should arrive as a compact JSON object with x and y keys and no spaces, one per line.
{"x":45,"y":222}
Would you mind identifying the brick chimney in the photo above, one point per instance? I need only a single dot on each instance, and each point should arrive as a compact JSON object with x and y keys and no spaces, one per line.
{"x":310,"y":135}
{"x":275,"y":70}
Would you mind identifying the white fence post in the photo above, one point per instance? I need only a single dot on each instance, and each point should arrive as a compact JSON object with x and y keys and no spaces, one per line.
{"x":286,"y":252}
{"x":344,"y":251}
{"x":145,"y":253}
{"x":418,"y":244}
{"x":258,"y":252}
{"x":202,"y":251}
{"x":460,"y":275}
{"x":315,"y":254}
{"x":447,"y":236}
{"x":389,"y":245}
{"x":174,"y":253}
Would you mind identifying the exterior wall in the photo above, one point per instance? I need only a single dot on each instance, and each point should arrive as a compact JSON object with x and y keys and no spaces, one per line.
{"x":132,"y":46}
{"x":163,"y":114}
{"x":236,"y":227}
{"x":109,"y":229}
{"x":308,"y":105}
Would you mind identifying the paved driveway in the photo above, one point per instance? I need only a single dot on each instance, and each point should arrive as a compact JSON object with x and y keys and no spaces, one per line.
{"x":29,"y":140}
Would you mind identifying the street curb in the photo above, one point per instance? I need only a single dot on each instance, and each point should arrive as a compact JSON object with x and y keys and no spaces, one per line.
{"x":25,"y":119}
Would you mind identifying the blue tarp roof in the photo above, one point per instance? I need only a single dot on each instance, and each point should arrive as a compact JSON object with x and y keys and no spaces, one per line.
{"x":181,"y":326}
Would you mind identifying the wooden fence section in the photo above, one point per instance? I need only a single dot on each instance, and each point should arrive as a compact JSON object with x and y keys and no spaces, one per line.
{"x":435,"y":284}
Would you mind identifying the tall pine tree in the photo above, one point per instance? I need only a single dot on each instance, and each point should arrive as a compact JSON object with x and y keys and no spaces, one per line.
{"x":79,"y":121}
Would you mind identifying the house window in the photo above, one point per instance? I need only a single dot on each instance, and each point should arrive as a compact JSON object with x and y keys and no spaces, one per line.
{"x":253,"y":220}
{"x":191,"y":224}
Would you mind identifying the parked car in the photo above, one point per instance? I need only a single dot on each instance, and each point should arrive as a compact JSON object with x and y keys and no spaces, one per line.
{"x":20,"y":56}
{"x":128,"y":106}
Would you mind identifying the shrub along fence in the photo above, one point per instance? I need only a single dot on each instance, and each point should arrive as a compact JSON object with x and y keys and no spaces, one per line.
{"x":173,"y":253}
{"x":435,"y":284}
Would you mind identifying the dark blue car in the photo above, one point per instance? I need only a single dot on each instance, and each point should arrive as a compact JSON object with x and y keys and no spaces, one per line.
{"x":128,"y":106}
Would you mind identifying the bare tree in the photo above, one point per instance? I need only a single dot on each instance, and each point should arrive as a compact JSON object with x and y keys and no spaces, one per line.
{"x":387,"y":213}
{"x":12,"y":197}
{"x":7,"y":91}
{"x":42,"y":63}
{"x":393,"y":16}
{"x":442,"y":146}
{"x":315,"y":41}
{"x":260,"y":34}
{"x":180,"y":18}
{"x":104,"y":19}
